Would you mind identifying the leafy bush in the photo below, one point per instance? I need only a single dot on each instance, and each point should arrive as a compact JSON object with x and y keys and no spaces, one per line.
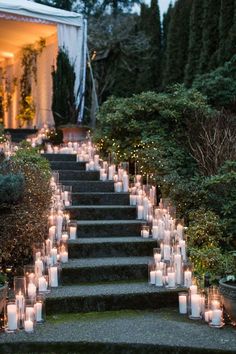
{"x":25,"y":223}
{"x":11,"y":188}
{"x":219,"y":86}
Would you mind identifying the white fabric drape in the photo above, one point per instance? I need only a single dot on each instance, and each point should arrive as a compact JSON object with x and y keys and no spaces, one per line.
{"x":72,"y":39}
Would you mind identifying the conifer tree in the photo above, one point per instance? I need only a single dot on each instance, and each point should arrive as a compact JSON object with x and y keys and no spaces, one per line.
{"x":195,"y":41}
{"x":165,"y":28}
{"x":210,"y":35}
{"x":177,"y":42}
{"x":226,"y":22}
{"x":230,"y":45}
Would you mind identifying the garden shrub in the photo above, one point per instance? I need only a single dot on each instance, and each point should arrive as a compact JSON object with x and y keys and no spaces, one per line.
{"x":25,"y":223}
{"x":11,"y":188}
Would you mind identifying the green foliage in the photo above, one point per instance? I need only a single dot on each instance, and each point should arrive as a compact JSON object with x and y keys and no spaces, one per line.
{"x":25,"y":223}
{"x":219,"y":85}
{"x":210,"y":35}
{"x":63,"y":101}
{"x":195,"y":41}
{"x":3,"y":278}
{"x":11,"y":188}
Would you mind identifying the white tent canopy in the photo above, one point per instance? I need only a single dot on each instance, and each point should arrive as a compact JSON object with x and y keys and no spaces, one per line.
{"x":24,"y":22}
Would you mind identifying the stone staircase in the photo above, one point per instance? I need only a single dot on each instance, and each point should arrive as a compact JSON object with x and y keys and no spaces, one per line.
{"x":108,"y":262}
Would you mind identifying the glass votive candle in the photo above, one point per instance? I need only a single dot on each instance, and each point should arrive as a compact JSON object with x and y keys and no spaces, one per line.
{"x":73,"y":230}
{"x":145,"y":231}
{"x":217,"y":318}
{"x":11,"y":318}
{"x":39,"y":309}
{"x":183,"y":303}
{"x":152,"y":273}
{"x":19,"y":283}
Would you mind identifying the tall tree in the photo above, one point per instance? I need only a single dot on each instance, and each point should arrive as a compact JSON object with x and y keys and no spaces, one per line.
{"x":226,"y":23}
{"x":151,"y":25}
{"x":118,"y":5}
{"x":210,"y":35}
{"x":195,"y":41}
{"x":165,"y":29}
{"x":60,"y":4}
{"x":177,"y":42}
{"x":230,"y":45}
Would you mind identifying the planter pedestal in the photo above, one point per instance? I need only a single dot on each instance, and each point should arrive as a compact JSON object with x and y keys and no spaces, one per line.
{"x":228,"y":293}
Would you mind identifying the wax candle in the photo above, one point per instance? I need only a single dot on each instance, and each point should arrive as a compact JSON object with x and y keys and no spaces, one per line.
{"x":59,"y":226}
{"x":54,"y":255}
{"x":166,"y":250}
{"x":104,"y":177}
{"x":111,"y":172}
{"x":140,"y":212}
{"x":216,"y":317}
{"x":120,"y":173}
{"x":145,"y":207}
{"x":118,"y":187}
{"x":171,"y":279}
{"x":215,"y":304}
{"x":155,"y":232}
{"x":29,"y":313}
{"x":125,"y":181}
{"x":31,"y":290}
{"x":159,"y":278}
{"x":182,"y":245}
{"x":208,"y":315}
{"x":132,"y":199}
{"x":180,"y":231}
{"x":38,"y":311}
{"x":157,"y":257}
{"x":195,"y":305}
{"x":38,"y":268}
{"x":73,"y":232}
{"x":166,"y":236}
{"x":187,"y":278}
{"x":12,"y":317}
{"x":193,"y":289}
{"x":183,"y":304}
{"x":145,"y":233}
{"x":153,"y":277}
{"x":42,"y":284}
{"x":178,"y":268}
{"x":52,"y":232}
{"x":53,"y":276}
{"x":64,"y":257}
{"x":29,"y":327}
{"x":64,"y":236}
{"x":139,"y":200}
{"x":20,"y":301}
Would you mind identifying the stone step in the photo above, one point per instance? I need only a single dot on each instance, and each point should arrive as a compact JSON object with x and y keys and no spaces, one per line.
{"x":109,"y":228}
{"x":90,"y":186}
{"x":67,"y":165}
{"x":111,"y":247}
{"x":101,"y":212}
{"x":60,"y":157}
{"x":161,"y":331}
{"x":91,"y":270}
{"x":109,"y":297}
{"x":79,"y":175}
{"x":100,"y":198}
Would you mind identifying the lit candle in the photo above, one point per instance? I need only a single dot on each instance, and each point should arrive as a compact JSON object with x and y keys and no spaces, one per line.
{"x":52,"y":232}
{"x":216,"y":317}
{"x":195,"y":305}
{"x":145,"y":233}
{"x":215,"y":304}
{"x":64,"y":236}
{"x":208,"y":315}
{"x":29,"y":326}
{"x":118,"y":187}
{"x":145,"y":207}
{"x":54,"y":255}
{"x":166,"y":249}
{"x":42,"y":284}
{"x":159,"y":278}
{"x":73,"y":232}
{"x":63,"y":255}
{"x":183,"y":304}
{"x":12,"y":317}
{"x":182,"y":245}
{"x":153,"y":277}
{"x":140,"y":212}
{"x":31,"y":290}
{"x":59,"y":226}
{"x":193,"y":289}
{"x":38,"y":311}
{"x":132,"y":199}
{"x":187,"y":278}
{"x":171,"y":279}
{"x":38,"y":268}
{"x":53,"y":276}
{"x":157,"y":257}
{"x":155,"y":232}
{"x":178,"y":268}
{"x":125,"y":181}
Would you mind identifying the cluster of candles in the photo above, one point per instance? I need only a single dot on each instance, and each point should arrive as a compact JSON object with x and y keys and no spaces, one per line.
{"x":37,"y":139}
{"x":26,"y":308}
{"x":200,"y":305}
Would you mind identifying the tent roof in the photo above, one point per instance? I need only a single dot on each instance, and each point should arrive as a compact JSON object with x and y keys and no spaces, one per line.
{"x":43,"y":12}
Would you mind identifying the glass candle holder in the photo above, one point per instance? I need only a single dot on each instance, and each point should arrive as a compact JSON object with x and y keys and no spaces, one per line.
{"x":145,"y":231}
{"x":152,"y":273}
{"x":157,"y":255}
{"x":73,"y":230}
{"x":43,"y":284}
{"x":63,"y":252}
{"x":195,"y":306}
{"x":11,"y":319}
{"x":171,"y":277}
{"x":19,"y":283}
{"x":183,"y":303}
{"x":31,"y":281}
{"x":54,"y":273}
{"x":20,"y":305}
{"x":39,"y":309}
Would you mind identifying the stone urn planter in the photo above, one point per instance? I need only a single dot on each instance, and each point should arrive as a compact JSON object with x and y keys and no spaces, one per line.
{"x":3,"y":296}
{"x":228,"y":292}
{"x":74,"y":133}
